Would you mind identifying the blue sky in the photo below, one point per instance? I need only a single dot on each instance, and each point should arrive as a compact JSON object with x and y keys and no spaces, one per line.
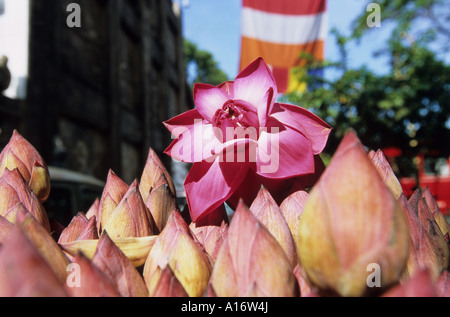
{"x":214,"y":25}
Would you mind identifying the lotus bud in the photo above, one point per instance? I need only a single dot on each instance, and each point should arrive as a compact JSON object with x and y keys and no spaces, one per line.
{"x":415,"y":228}
{"x":168,"y":285}
{"x":161,"y":202}
{"x":131,"y":218}
{"x":432,"y":241}
{"x":114,"y":263}
{"x":79,"y":228}
{"x":251,"y":261}
{"x":153,"y":170}
{"x":87,"y":280}
{"x":20,"y":154}
{"x":351,"y":221}
{"x":435,"y":211}
{"x":292,"y":209}
{"x":93,"y":210}
{"x":420,"y":285}
{"x":135,"y":249}
{"x":13,"y":190}
{"x":443,"y":284}
{"x":5,"y":227}
{"x":11,"y":214}
{"x":23,"y":270}
{"x":45,"y":244}
{"x":210,"y":237}
{"x":113,"y":192}
{"x":386,"y":172}
{"x":175,"y":247}
{"x":305,"y":289}
{"x":269,"y":214}
{"x":424,"y":253}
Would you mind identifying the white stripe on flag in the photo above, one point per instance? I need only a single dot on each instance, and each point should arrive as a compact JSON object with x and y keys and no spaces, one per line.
{"x":283,"y":29}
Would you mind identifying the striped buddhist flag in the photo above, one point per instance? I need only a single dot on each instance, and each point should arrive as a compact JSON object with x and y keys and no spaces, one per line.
{"x":280,"y":31}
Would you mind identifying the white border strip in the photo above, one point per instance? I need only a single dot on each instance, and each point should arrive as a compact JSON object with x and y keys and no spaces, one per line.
{"x":283,"y":29}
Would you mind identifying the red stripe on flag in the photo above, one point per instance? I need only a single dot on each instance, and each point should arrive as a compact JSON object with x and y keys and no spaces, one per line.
{"x":289,"y":7}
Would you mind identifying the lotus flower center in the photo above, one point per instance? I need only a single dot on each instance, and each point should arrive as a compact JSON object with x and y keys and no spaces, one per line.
{"x":235,"y":114}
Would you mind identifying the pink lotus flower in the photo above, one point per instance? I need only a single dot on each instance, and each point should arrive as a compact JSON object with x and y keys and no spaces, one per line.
{"x":237,"y":133}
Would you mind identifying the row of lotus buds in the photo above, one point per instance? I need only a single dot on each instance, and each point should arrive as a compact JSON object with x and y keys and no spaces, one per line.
{"x":353,"y":234}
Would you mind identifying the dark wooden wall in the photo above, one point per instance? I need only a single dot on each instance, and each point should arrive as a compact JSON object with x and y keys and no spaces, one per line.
{"x":98,"y":94}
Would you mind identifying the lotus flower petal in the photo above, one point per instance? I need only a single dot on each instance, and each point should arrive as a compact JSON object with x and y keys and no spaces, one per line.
{"x":209,"y":185}
{"x":136,"y":249}
{"x":114,"y":263}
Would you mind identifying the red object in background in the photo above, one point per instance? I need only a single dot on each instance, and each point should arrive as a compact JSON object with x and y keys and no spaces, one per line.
{"x":439,"y":184}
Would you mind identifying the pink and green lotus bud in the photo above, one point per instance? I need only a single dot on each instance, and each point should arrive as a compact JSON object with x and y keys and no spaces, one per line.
{"x":115,"y":264}
{"x":210,"y":237}
{"x":168,"y":285}
{"x":386,"y":172}
{"x":5,"y":227}
{"x":93,"y":209}
{"x":420,"y":285}
{"x":175,"y":247}
{"x":151,"y":174}
{"x":443,"y":284}
{"x":20,"y":154}
{"x":87,"y":280}
{"x":292,"y":209}
{"x":161,"y":202}
{"x":350,"y":223}
{"x":14,"y":190}
{"x":79,"y":228}
{"x":23,"y":270}
{"x":44,"y":243}
{"x":251,"y":261}
{"x":113,"y":192}
{"x":435,"y":211}
{"x":131,"y":218}
{"x":269,"y":214}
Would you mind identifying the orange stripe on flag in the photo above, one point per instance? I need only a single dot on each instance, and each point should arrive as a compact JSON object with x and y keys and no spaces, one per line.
{"x":278,"y":55}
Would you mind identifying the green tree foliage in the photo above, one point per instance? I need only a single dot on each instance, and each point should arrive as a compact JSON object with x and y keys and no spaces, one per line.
{"x":205,"y":67}
{"x":407,"y":108}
